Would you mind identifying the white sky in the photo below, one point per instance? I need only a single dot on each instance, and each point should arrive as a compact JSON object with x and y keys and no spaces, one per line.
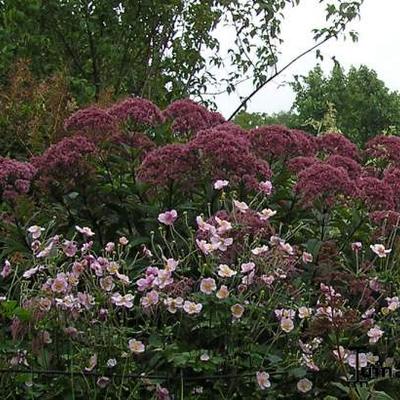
{"x":378,"y":48}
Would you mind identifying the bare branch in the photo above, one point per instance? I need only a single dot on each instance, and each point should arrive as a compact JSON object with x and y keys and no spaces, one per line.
{"x":278,"y":72}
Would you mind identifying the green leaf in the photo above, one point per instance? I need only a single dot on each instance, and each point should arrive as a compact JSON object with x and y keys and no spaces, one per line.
{"x":139,"y":240}
{"x":313,"y":246}
{"x":23,"y":314}
{"x":73,"y":195}
{"x":274,"y":359}
{"x":341,"y":387}
{"x":381,"y":396}
{"x":299,"y":372}
{"x":8,"y":307}
{"x":155,"y":341}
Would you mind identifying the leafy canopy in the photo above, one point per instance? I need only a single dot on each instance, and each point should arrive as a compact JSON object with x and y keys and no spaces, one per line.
{"x":160,"y":49}
{"x":364,"y":106}
{"x":248,"y":120}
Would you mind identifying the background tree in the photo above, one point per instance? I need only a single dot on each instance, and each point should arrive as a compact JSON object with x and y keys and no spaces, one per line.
{"x":364,"y":106}
{"x":153,"y":48}
{"x":247,"y":120}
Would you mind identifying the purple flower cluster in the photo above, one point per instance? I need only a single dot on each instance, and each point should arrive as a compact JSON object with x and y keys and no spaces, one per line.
{"x":64,"y":160}
{"x":15,"y":177}
{"x":352,"y":167}
{"x":136,"y":140}
{"x":93,"y":120}
{"x":231,"y":127}
{"x":212,"y":153}
{"x":384,"y":147}
{"x":326,"y":167}
{"x":390,"y":218}
{"x":168,"y":164}
{"x":140,"y":111}
{"x":339,"y":174}
{"x":275,"y":141}
{"x":190,"y":117}
{"x":304,"y":143}
{"x":223,"y":154}
{"x":336,"y":143}
{"x":298,"y":164}
{"x":64,"y":154}
{"x":321,"y":181}
{"x":376,"y":194}
{"x":392,"y":178}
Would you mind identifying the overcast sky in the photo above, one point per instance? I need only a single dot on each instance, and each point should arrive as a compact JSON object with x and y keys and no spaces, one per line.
{"x":378,"y":48}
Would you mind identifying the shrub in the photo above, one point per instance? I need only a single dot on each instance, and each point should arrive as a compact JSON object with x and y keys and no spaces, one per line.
{"x":246,"y":264}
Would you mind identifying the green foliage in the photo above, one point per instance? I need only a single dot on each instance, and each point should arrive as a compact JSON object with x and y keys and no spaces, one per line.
{"x":60,"y":301}
{"x":362,"y":105}
{"x":152,"y":48}
{"x":248,"y":120}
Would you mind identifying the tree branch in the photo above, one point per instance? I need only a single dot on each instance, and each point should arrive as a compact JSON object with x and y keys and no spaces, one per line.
{"x":278,"y":72}
{"x":68,"y":49}
{"x":95,"y":69}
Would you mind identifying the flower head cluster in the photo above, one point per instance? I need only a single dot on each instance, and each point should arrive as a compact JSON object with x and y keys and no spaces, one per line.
{"x":166,"y":165}
{"x":213,"y":235}
{"x":157,"y":280}
{"x":308,"y":350}
{"x":392,"y":179}
{"x":322,"y":181}
{"x":140,"y":111}
{"x":65,"y":291}
{"x":298,"y":164}
{"x":330,"y":293}
{"x":377,"y":194}
{"x":188,"y":116}
{"x":270,"y":142}
{"x":275,"y":141}
{"x":336,"y":143}
{"x":285,"y":317}
{"x":122,"y":301}
{"x":15,"y":177}
{"x":304,"y":144}
{"x":136,"y":140}
{"x":354,"y":359}
{"x":224,"y":234}
{"x":225,"y":155}
{"x":65,"y":161}
{"x":352,"y":167}
{"x":92,"y":120}
{"x":155,"y":287}
{"x":383,"y":147}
